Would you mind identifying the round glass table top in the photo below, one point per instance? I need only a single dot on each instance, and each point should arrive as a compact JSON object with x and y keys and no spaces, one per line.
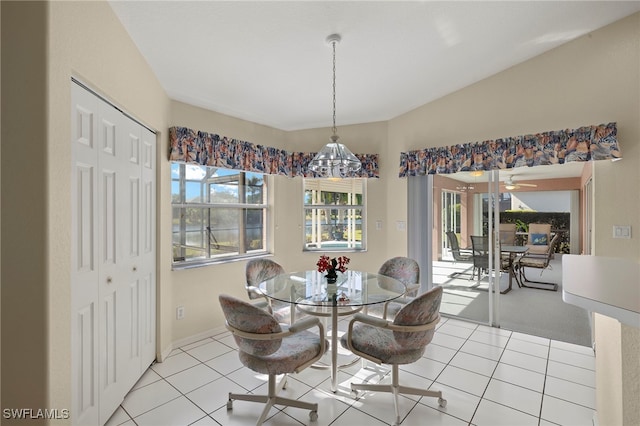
{"x":352,"y":288}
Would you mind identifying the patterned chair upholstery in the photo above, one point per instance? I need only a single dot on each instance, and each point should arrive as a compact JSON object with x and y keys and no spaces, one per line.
{"x":405,"y":270}
{"x":397,"y":342}
{"x":257,"y":271}
{"x":268,"y":347}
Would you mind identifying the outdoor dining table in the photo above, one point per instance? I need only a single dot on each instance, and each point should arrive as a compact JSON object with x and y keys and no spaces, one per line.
{"x":512,"y":252}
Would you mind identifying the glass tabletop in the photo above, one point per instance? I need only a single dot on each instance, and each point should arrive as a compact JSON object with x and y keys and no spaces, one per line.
{"x":353,"y":288}
{"x":513,"y":249}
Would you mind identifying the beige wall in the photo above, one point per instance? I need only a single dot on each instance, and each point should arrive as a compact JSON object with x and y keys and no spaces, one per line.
{"x":591,"y":80}
{"x":197,"y":289}
{"x":50,"y":43}
{"x":594,"y":79}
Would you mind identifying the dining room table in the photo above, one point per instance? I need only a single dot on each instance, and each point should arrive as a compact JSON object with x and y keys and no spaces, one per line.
{"x":353,"y":291}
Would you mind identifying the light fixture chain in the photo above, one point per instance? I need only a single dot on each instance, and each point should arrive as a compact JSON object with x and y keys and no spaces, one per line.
{"x":334,"y":129}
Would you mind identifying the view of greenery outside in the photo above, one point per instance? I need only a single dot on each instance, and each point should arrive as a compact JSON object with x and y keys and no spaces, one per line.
{"x":217,"y":213}
{"x":334,"y":214}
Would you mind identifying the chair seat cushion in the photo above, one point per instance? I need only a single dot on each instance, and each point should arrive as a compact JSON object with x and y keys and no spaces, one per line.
{"x":533,"y":262}
{"x":381,"y":344}
{"x":537,"y":249}
{"x":294,"y":351}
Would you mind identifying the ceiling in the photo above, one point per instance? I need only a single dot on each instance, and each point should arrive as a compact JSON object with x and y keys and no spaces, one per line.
{"x":268,"y":62}
{"x":527,"y":174}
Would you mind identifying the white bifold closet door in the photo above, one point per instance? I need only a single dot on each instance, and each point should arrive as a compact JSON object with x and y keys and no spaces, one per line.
{"x":113,"y":251}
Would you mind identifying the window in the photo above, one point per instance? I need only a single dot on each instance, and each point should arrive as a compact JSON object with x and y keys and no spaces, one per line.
{"x":334,"y":214}
{"x":218,"y":213}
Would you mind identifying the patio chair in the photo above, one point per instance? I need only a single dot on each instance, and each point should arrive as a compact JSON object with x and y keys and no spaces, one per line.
{"x":480,"y":248}
{"x":459,"y":255}
{"x":539,"y":238}
{"x":398,"y":342}
{"x":480,"y":245}
{"x":267,"y":347}
{"x":538,"y":261}
{"x":508,"y":233}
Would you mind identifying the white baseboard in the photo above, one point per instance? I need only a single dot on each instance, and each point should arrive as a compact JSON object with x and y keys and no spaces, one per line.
{"x":189,"y":340}
{"x":594,"y":420}
{"x":197,"y":337}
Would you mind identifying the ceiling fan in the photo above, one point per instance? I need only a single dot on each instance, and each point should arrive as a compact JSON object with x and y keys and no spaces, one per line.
{"x":510,"y":185}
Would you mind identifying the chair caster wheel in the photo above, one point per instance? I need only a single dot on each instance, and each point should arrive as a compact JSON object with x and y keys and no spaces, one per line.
{"x":229,"y":404}
{"x":442,"y":402}
{"x":313,"y":416}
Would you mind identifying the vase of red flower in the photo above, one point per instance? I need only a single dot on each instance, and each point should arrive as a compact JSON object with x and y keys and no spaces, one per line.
{"x":331,"y":266}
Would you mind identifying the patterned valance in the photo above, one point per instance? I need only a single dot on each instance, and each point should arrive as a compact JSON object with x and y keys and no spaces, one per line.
{"x":554,"y":147}
{"x":208,"y":149}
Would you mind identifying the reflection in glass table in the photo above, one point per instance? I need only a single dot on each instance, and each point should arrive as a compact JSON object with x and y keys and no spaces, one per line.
{"x":308,"y":291}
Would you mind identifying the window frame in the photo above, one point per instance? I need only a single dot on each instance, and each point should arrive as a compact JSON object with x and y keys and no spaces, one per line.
{"x":207,"y":206}
{"x":306,"y":246}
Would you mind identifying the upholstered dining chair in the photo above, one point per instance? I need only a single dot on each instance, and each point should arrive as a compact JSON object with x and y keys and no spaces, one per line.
{"x":405,"y":270}
{"x":268,"y":347}
{"x":398,"y":342}
{"x":257,"y":271}
{"x":538,"y":261}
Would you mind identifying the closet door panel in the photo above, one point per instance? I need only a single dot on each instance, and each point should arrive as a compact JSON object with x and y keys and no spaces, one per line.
{"x":112,"y":308}
{"x":131,"y":217}
{"x":148,"y":251}
{"x":84,"y":263}
{"x":113,"y":255}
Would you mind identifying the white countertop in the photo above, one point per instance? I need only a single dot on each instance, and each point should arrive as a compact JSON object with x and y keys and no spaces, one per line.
{"x":606,"y":285}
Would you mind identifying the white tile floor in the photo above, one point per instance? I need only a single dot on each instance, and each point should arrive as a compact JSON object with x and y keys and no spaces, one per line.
{"x":489,"y":377}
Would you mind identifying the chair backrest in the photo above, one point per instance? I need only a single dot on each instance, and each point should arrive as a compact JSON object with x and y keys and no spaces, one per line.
{"x":552,"y":247}
{"x":259,"y":270}
{"x":423,"y":309}
{"x":507,"y":233}
{"x":539,"y":238}
{"x":454,"y":245}
{"x":480,"y":247}
{"x":401,"y":268}
{"x":245,"y":317}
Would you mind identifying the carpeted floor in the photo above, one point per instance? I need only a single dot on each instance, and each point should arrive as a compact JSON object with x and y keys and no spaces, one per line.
{"x":537,"y":312}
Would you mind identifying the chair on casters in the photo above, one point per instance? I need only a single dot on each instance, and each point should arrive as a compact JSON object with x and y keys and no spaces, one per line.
{"x":538,"y":261}
{"x":257,"y":271}
{"x":459,"y":255}
{"x":267,"y":347}
{"x":405,"y":270}
{"x":398,"y":342}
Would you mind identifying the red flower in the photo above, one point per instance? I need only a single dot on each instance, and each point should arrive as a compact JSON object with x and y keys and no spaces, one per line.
{"x":326,"y":263}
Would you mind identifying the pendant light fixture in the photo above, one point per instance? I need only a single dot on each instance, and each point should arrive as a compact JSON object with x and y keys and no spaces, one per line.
{"x":334,"y":160}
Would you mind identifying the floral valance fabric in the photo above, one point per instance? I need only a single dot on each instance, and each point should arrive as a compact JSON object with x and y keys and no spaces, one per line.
{"x":208,"y":149}
{"x":554,"y":147}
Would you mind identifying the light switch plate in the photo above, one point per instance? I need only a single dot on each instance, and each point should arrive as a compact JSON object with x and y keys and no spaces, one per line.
{"x":622,"y":231}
